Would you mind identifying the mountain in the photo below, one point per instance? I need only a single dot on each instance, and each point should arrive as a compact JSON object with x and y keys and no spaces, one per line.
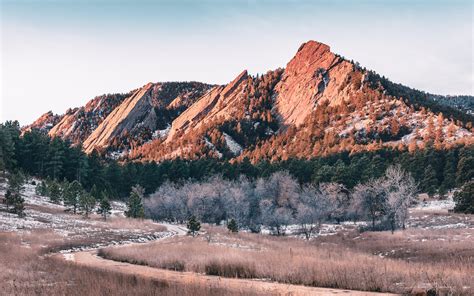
{"x":111,"y":118}
{"x":319,"y":104}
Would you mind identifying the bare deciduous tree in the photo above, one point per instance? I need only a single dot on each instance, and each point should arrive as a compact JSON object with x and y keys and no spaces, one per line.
{"x":312,"y":210}
{"x":339,"y":199}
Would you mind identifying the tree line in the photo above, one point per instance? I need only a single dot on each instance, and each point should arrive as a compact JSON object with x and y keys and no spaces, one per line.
{"x":279,"y":200}
{"x":35,"y":154}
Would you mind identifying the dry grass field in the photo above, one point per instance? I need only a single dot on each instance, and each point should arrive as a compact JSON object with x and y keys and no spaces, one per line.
{"x":28,"y":270}
{"x":440,"y":260}
{"x":26,"y":246}
{"x":434,"y":254}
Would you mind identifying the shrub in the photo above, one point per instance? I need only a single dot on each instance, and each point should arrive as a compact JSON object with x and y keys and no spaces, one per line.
{"x":230,"y":269}
{"x":176,"y":265}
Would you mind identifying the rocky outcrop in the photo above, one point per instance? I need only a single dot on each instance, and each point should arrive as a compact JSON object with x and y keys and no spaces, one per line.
{"x":44,"y":123}
{"x":315,"y":74}
{"x":78,"y":123}
{"x":220,"y":102}
{"x":136,"y":109}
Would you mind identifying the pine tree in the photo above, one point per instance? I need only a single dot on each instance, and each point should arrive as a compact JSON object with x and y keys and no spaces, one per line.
{"x":114,"y":178}
{"x":87,"y":203}
{"x":8,"y":201}
{"x":96,"y":193}
{"x":56,"y":159}
{"x":464,"y":199}
{"x":449,"y":171}
{"x":193,"y":226}
{"x":2,"y":162}
{"x":71,"y":195}
{"x":232,"y":226}
{"x":13,"y":196}
{"x":135,"y":203}
{"x":465,"y":169}
{"x":54,"y":191}
{"x":429,"y":183}
{"x":104,"y":206}
{"x":41,"y":189}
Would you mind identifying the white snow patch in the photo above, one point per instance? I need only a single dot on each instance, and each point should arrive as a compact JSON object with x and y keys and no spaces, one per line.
{"x":118,"y":209}
{"x":234,"y":147}
{"x":436,"y":205}
{"x":210,"y":145}
{"x":161,"y":134}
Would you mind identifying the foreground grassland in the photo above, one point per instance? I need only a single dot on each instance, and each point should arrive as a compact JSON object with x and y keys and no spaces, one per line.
{"x":434,"y":254}
{"x":433,"y":257}
{"x":28,"y":269}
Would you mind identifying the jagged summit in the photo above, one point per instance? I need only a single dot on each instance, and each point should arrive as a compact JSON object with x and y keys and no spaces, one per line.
{"x":44,"y":122}
{"x":312,"y":48}
{"x":320,"y":103}
{"x":313,"y":74}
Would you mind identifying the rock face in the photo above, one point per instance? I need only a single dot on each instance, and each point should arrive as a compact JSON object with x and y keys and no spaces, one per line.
{"x":138,"y":112}
{"x":45,"y":122}
{"x":77,"y":124}
{"x":315,"y":74}
{"x":319,"y":104}
{"x":134,"y":109}
{"x":219,"y":102}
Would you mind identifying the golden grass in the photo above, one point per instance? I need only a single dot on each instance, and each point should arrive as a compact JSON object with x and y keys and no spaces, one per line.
{"x":25,"y":270}
{"x":336,"y":262}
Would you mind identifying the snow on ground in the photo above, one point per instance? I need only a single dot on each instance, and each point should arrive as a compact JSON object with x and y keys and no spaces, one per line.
{"x":212,"y":147}
{"x":118,"y":208}
{"x":116,"y":243}
{"x":160,"y":134}
{"x":118,"y":154}
{"x":234,"y":147}
{"x":436,"y":220}
{"x":324,"y":230}
{"x":436,"y":204}
{"x":30,"y":196}
{"x":80,"y":232}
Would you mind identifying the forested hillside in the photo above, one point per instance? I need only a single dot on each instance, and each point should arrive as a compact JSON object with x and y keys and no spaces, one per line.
{"x":34,"y":153}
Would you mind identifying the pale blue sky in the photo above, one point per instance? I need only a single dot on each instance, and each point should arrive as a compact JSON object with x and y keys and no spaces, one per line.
{"x":59,"y":54}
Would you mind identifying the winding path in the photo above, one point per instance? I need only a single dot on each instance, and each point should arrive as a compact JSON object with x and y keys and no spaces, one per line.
{"x":90,"y":259}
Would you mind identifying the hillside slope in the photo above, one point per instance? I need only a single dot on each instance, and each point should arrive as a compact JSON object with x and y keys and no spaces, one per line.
{"x":319,"y":104}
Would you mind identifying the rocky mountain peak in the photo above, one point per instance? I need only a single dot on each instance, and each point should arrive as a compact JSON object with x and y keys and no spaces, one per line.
{"x":315,"y":74}
{"x":319,"y":104}
{"x":45,"y":122}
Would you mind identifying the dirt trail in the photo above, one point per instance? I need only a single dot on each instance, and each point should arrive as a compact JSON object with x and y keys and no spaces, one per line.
{"x":90,"y":259}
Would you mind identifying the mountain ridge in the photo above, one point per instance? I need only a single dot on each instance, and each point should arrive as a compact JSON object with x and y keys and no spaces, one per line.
{"x":319,"y":104}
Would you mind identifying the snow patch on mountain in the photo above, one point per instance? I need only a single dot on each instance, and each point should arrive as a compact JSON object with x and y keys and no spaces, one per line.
{"x":160,"y":134}
{"x":234,"y":147}
{"x":210,"y":145}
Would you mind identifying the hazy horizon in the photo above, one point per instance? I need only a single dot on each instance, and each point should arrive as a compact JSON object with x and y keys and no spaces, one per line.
{"x":60,"y":54}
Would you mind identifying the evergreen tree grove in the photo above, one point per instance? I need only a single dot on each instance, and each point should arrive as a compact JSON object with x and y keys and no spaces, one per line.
{"x":464,"y":199}
{"x":430,"y":182}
